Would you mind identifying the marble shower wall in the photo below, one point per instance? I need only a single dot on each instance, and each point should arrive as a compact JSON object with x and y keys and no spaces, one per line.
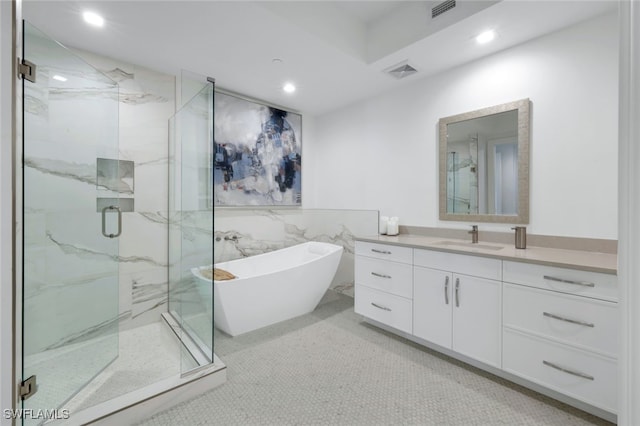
{"x":67,"y":261}
{"x":243,"y":232}
{"x":146,"y":103}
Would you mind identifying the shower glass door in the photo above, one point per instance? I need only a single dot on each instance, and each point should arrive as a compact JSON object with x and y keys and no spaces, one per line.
{"x":191,"y":225}
{"x":71,"y":223}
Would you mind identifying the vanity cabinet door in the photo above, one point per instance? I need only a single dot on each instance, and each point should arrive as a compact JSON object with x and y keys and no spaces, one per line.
{"x":432,"y":301}
{"x":477,"y":304}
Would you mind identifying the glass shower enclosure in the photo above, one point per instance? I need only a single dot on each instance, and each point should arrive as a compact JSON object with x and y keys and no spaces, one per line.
{"x":462,"y":176}
{"x":77,"y":356}
{"x":71,"y":223}
{"x":191,"y":226}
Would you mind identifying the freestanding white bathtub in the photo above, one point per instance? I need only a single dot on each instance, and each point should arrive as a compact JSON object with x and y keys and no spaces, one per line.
{"x":270,"y":287}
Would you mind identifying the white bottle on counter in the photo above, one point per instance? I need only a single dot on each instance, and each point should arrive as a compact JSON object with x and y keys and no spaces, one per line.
{"x":392,"y":226}
{"x":382,"y":228}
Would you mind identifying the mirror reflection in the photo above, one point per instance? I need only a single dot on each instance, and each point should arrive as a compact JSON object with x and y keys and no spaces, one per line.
{"x":484,"y":164}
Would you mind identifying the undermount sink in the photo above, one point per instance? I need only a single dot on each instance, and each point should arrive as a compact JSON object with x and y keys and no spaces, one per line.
{"x":468,"y":245}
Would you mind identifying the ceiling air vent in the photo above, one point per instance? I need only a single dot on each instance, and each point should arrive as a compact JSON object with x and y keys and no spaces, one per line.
{"x":441,"y":8}
{"x":401,"y":70}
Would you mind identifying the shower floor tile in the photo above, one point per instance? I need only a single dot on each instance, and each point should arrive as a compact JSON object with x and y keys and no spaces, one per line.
{"x":147,"y":355}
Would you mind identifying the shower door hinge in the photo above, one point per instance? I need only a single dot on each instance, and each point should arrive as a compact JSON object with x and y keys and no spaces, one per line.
{"x":28,"y":388}
{"x":27,"y":70}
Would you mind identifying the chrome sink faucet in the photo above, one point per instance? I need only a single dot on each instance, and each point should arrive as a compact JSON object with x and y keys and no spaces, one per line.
{"x":474,"y":234}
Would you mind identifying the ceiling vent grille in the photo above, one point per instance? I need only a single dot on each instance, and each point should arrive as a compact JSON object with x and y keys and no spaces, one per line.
{"x":443,"y":7}
{"x":401,"y":70}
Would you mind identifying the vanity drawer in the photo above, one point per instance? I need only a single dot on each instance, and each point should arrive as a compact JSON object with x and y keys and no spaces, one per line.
{"x":468,"y":265}
{"x":589,"y":323}
{"x":391,"y":277}
{"x":385,"y":252}
{"x":394,"y":311}
{"x":573,"y":281}
{"x":587,"y":377}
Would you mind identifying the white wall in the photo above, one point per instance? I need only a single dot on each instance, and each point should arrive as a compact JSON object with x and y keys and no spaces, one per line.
{"x":382,"y":153}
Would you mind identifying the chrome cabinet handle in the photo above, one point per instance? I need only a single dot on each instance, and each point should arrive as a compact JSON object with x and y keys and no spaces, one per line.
{"x":104,"y":221}
{"x":457,"y":292}
{"x":568,"y":370}
{"x":384,"y":308}
{"x":380,"y":275}
{"x":562,"y":280}
{"x":380,"y":251}
{"x":572,"y":321}
{"x":446,"y":290}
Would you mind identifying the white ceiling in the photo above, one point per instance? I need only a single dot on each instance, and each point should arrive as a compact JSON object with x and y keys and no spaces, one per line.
{"x":334,"y":51}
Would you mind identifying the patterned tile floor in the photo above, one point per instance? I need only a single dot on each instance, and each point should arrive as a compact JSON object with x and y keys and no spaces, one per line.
{"x":147,"y":355}
{"x":330,"y":368}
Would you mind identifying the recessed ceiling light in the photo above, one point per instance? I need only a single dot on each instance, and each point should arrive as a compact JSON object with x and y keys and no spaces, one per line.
{"x":486,"y":37}
{"x":93,"y":19}
{"x":59,"y":78}
{"x":289,"y":88}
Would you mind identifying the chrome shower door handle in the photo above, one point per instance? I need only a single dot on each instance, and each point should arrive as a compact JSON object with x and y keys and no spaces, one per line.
{"x":104,"y":221}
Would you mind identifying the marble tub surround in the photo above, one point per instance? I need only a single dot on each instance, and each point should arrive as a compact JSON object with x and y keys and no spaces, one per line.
{"x":557,"y":257}
{"x":247,"y":232}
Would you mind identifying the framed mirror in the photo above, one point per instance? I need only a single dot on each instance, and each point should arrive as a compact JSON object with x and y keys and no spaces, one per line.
{"x":484,"y":164}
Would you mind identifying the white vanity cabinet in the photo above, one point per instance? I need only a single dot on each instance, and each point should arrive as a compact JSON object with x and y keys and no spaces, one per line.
{"x":550,"y":328}
{"x":560,"y":330}
{"x":384,"y":284}
{"x":458,"y":311}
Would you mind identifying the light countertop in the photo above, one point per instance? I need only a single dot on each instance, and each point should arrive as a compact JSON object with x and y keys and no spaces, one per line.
{"x":606,"y":263}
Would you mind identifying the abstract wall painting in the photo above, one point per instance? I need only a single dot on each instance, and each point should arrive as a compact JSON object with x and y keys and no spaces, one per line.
{"x":257,"y":155}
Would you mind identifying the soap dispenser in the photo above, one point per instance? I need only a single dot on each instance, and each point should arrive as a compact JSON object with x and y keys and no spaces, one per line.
{"x":521,"y":237}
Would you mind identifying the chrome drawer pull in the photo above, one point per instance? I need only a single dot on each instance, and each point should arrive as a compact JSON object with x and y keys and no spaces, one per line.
{"x":457,"y":291}
{"x":380,"y":251}
{"x":568,"y":371}
{"x":562,"y":280}
{"x":384,"y":308}
{"x":572,"y":321}
{"x":446,"y":290}
{"x":380,"y":275}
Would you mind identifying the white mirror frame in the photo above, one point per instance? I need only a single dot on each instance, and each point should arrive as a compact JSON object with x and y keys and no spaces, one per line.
{"x":523,"y":108}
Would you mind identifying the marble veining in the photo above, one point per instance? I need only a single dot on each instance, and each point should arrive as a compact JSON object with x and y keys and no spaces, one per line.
{"x":119,"y":75}
{"x":155,"y":217}
{"x":141,"y":98}
{"x":59,"y":94}
{"x":88,"y":333}
{"x":157,"y":303}
{"x":89,"y":253}
{"x":85,"y":173}
{"x":143,"y":292}
{"x":34,"y":105}
{"x":243,"y":233}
